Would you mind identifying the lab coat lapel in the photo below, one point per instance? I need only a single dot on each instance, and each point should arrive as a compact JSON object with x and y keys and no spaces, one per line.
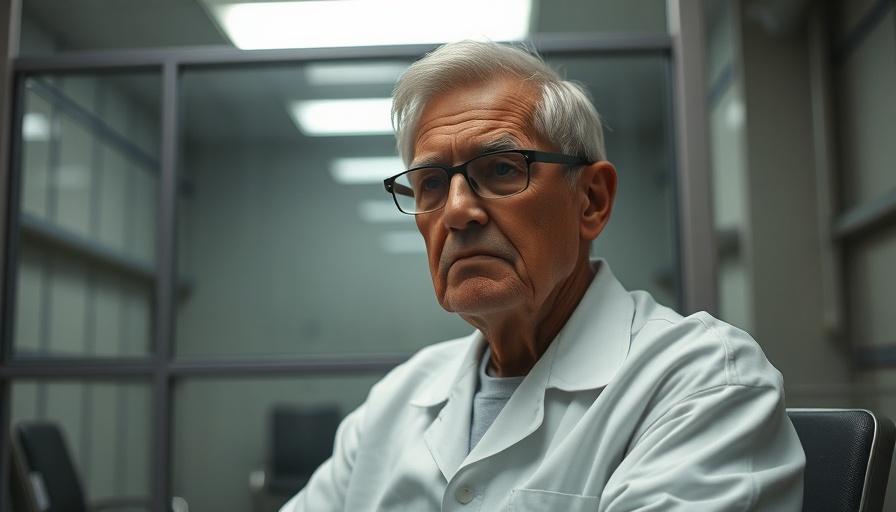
{"x":448,"y":436}
{"x":521,"y":416}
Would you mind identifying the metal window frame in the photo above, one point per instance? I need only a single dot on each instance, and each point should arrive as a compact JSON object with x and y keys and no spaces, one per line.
{"x":698,"y":252}
{"x":695,"y":253}
{"x":9,"y":24}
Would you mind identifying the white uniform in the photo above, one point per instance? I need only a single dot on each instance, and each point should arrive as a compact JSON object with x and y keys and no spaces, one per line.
{"x":632,"y":407}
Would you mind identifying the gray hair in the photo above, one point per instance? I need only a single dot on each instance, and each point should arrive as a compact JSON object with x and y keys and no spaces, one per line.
{"x":564,"y":115}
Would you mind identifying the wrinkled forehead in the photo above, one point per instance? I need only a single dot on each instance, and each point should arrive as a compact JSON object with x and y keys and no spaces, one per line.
{"x":504,"y":85}
{"x":477,"y":117}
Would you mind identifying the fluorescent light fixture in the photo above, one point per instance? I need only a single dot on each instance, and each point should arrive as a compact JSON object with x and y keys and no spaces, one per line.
{"x":367,"y":116}
{"x":336,"y":23}
{"x":403,"y":242}
{"x":35,"y":127}
{"x":365,"y":170}
{"x":381,"y":211}
{"x":325,"y":73}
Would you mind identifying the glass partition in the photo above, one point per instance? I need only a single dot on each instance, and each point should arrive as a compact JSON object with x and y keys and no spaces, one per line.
{"x":290,"y":250}
{"x":87,"y":215}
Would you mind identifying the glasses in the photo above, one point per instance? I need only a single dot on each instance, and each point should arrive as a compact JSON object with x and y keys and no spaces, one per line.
{"x":491,"y":175}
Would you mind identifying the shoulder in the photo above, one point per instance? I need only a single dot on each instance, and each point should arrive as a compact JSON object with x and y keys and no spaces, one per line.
{"x":714,"y":352}
{"x":698,"y":365}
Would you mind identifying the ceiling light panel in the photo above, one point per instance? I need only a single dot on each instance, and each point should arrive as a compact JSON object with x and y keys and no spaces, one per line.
{"x":403,"y":242}
{"x":365,"y":116}
{"x":381,"y":211}
{"x":337,"y":23}
{"x":327,"y":73}
{"x":365,"y":170}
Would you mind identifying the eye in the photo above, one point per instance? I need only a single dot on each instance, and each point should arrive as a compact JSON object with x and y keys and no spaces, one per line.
{"x":498,"y":174}
{"x":505,"y":169}
{"x":428,"y":180}
{"x":432,"y":183}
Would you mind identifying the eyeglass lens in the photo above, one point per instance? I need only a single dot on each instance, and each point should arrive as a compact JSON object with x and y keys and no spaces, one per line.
{"x":495,"y":175}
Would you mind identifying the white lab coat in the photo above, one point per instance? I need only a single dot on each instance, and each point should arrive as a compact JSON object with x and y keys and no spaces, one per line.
{"x":632,"y":407}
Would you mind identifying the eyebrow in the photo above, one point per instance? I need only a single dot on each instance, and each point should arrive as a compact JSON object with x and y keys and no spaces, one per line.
{"x":502,"y":143}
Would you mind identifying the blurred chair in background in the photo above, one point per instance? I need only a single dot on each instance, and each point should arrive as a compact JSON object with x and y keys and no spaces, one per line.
{"x":301,"y":438}
{"x":848,"y":456}
{"x":44,"y":478}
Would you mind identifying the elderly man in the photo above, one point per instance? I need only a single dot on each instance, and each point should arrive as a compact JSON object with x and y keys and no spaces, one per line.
{"x":572,"y":394}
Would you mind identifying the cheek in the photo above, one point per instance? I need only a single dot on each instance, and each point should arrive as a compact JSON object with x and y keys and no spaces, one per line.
{"x":549,"y":241}
{"x":434,"y":243}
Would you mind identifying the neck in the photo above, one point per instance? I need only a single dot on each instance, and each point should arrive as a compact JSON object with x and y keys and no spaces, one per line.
{"x":518,"y":339}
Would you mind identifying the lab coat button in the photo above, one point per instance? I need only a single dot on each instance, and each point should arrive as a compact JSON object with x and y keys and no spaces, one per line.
{"x":464,"y":494}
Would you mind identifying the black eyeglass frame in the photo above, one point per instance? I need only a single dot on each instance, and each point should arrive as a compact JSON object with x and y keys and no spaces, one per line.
{"x":531,"y":156}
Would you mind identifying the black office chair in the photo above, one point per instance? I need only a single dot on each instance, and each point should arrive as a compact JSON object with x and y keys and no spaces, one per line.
{"x":44,"y":477}
{"x":848,"y":454}
{"x":301,"y":438}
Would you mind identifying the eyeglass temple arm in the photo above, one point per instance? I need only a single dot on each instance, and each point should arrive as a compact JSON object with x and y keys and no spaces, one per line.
{"x":399,"y":189}
{"x":556,"y":158}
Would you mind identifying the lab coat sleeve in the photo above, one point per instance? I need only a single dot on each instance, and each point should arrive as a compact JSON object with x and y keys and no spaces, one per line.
{"x":326,"y":490}
{"x":728,"y":448}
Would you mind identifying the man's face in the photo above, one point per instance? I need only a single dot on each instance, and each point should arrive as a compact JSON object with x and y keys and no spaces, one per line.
{"x":511,"y":254}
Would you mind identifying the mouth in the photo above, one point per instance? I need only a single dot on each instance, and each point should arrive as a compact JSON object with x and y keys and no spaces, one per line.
{"x":472,"y":256}
{"x":469,"y":250}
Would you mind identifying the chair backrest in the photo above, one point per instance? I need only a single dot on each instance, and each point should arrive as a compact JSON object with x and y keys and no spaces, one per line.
{"x":302,"y":437}
{"x":44,"y":477}
{"x":848,"y":455}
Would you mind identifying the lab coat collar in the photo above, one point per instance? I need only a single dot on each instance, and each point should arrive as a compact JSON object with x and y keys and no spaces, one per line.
{"x":591,"y":347}
{"x":438,"y":389}
{"x":586,"y":354}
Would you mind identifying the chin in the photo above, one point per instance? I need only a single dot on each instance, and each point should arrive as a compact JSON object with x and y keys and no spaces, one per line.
{"x":480,"y":296}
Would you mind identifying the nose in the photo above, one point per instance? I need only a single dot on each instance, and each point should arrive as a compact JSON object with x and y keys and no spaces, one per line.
{"x":463,"y":206}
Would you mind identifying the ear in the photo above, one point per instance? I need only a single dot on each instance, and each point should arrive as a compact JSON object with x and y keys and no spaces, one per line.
{"x":598,"y":183}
